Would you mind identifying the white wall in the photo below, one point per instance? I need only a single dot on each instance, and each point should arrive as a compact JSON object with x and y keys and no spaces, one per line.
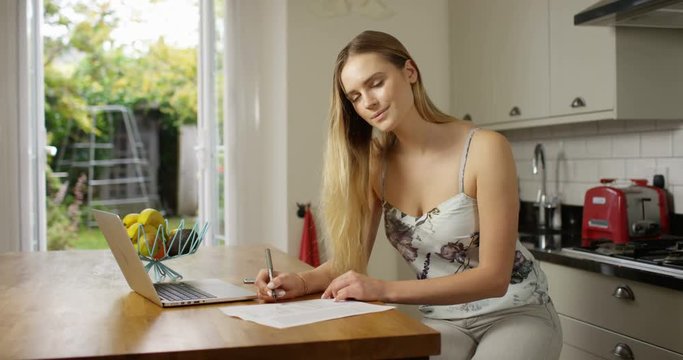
{"x":315,"y":35}
{"x":257,"y":118}
{"x":578,"y":155}
{"x":9,"y":127}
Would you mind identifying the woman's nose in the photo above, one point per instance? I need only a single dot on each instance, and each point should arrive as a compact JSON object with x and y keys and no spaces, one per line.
{"x":370,"y":102}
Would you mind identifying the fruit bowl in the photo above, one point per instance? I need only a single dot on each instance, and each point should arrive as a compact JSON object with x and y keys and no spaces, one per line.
{"x":157,"y":245}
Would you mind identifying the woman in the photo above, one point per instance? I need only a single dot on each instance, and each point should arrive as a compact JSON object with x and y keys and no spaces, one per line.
{"x":390,"y":151}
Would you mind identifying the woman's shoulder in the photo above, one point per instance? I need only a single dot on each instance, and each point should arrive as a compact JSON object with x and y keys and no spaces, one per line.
{"x":486,"y":138}
{"x":490,"y":149}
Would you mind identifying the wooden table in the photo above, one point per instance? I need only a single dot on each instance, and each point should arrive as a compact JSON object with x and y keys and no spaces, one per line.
{"x":77,"y":304}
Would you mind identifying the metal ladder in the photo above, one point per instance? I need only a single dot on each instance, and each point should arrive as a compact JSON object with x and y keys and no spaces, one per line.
{"x":116,"y":160}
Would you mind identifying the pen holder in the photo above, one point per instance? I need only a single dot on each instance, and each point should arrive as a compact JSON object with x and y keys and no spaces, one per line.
{"x":157,"y":247}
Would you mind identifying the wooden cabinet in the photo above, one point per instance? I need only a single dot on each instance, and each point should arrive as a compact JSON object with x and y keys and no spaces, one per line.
{"x":602,"y":314}
{"x":523,"y":63}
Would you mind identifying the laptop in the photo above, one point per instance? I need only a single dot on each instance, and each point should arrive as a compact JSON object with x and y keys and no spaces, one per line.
{"x":180,"y":293}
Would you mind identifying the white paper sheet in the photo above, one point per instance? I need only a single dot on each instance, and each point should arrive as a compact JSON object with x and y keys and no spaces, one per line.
{"x":284,"y":315}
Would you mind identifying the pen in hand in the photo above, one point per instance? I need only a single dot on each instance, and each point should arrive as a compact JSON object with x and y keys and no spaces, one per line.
{"x":269,"y":265}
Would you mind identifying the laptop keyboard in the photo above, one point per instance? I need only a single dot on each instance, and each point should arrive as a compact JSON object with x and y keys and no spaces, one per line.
{"x":180,"y":291}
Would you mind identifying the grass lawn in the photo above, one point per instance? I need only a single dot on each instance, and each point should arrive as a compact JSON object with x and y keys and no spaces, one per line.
{"x":92,"y":238}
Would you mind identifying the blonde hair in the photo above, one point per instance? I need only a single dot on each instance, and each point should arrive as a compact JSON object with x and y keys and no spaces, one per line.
{"x":350,"y":148}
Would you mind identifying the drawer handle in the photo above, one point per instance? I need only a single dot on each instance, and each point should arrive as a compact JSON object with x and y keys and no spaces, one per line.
{"x":515,"y":111}
{"x":578,"y":102}
{"x":624,"y":292}
{"x":623,"y":351}
{"x":467,"y":117}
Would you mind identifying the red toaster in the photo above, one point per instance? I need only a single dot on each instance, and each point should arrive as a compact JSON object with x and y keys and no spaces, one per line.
{"x":620,"y":212}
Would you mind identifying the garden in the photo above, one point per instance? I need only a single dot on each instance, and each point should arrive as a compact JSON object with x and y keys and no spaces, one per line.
{"x":84,"y":66}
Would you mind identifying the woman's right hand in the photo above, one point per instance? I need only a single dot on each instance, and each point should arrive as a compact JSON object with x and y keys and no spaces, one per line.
{"x":284,"y":285}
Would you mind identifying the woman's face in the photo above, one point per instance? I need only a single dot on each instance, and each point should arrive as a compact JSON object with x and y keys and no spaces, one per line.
{"x":379,"y":91}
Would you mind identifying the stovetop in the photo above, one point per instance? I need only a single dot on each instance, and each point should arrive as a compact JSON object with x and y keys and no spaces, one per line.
{"x":663,"y":255}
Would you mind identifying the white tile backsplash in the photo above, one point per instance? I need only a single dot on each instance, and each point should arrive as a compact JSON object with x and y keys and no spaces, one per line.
{"x":677,"y":192}
{"x":528,"y":190}
{"x":562,"y":131}
{"x":578,"y":155}
{"x":586,"y":171}
{"x":673,"y":167}
{"x":669,"y":124}
{"x":575,"y":148}
{"x":551,"y":170}
{"x":524,"y":170}
{"x":611,"y":127}
{"x":655,"y":144}
{"x":640,"y":126}
{"x":677,"y":139}
{"x":598,"y":147}
{"x":626,"y":146}
{"x":612,"y":168}
{"x":554,"y":149}
{"x":640,"y":168}
{"x":588,"y":128}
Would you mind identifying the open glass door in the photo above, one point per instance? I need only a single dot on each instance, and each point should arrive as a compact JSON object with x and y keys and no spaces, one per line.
{"x":210,"y":150}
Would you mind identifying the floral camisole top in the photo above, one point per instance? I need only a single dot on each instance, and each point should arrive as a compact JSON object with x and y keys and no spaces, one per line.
{"x":445,"y":241}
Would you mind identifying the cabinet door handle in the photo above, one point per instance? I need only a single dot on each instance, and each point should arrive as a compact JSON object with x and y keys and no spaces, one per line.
{"x":622,"y":351}
{"x":467,"y":117}
{"x":515,"y":111}
{"x":578,"y":102}
{"x":624,"y":292}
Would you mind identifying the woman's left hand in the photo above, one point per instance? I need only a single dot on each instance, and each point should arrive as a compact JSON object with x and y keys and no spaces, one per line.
{"x":353,"y":285}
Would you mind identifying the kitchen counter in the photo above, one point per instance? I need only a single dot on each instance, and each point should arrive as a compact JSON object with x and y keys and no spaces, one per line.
{"x":558,"y":249}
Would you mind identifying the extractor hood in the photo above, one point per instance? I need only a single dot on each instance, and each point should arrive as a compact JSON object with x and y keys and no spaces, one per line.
{"x":639,"y":13}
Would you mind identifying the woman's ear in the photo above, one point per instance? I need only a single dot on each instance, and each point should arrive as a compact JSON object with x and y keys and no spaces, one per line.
{"x":410,"y":70}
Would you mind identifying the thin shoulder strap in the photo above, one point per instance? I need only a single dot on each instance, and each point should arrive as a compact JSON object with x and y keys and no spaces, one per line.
{"x":463,"y":160}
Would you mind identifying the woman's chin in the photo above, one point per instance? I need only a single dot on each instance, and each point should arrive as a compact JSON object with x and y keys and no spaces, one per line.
{"x":384,"y":125}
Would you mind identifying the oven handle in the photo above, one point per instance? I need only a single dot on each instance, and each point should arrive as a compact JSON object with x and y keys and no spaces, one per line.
{"x":623,"y":351}
{"x":624,"y":292}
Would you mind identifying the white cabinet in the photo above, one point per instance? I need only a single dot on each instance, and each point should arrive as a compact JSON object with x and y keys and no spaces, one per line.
{"x":499,"y":52}
{"x":581,"y":340}
{"x":602,"y":315}
{"x":472,"y":50}
{"x":523,"y":63}
{"x":582,"y":62}
{"x":520,"y":60}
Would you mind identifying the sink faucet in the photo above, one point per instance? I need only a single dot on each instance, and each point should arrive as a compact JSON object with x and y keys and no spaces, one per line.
{"x":545,"y":207}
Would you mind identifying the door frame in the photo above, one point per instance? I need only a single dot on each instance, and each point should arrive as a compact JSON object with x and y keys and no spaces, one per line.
{"x":32,"y":151}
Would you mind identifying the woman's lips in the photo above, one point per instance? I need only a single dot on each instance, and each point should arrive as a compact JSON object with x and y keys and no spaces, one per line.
{"x":379,"y":115}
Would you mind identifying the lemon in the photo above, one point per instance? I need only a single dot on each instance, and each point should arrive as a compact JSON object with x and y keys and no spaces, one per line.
{"x":150,"y":217}
{"x":130,"y":219}
{"x":133,"y":232}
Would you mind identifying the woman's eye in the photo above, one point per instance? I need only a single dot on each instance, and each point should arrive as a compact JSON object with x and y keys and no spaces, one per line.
{"x":378,"y":83}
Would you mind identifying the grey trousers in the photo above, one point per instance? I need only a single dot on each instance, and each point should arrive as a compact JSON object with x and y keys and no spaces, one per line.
{"x":529,"y":332}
